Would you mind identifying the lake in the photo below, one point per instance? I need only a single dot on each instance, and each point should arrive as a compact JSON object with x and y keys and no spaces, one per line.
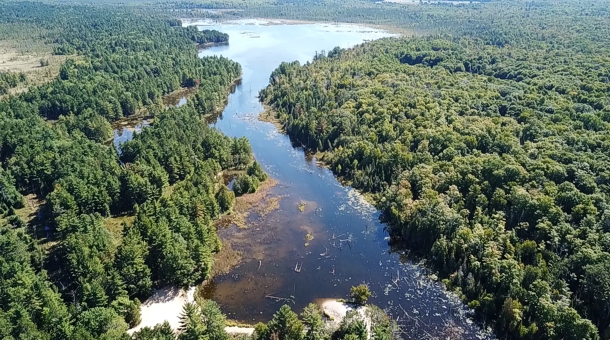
{"x":320,"y":237}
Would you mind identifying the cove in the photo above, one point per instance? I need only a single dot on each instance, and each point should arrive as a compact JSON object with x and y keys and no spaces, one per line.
{"x":280,"y":262}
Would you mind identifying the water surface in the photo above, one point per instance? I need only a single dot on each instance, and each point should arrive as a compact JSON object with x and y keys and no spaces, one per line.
{"x":125,"y":133}
{"x":349,"y":245}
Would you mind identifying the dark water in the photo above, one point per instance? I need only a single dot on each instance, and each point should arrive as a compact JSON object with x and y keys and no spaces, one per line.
{"x":349,"y":245}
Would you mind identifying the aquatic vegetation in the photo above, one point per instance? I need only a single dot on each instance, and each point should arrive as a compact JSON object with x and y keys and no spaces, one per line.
{"x":308,"y":238}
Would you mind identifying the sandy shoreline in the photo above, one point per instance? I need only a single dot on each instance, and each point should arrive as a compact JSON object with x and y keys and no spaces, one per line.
{"x":164,"y":305}
{"x":239,"y":330}
{"x":336,"y":311}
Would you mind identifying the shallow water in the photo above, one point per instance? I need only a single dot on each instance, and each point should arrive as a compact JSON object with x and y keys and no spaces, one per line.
{"x":124,"y":134}
{"x":349,"y":245}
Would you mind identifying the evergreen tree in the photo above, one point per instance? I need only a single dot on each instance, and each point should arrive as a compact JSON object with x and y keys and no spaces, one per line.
{"x":312,"y":320}
{"x":285,"y":325}
{"x":161,"y":331}
{"x":130,"y":262}
{"x":213,"y":320}
{"x":192,"y":326}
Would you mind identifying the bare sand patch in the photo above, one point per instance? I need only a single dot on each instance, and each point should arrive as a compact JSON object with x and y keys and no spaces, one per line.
{"x":239,"y":330}
{"x":335,"y":311}
{"x":164,"y":305}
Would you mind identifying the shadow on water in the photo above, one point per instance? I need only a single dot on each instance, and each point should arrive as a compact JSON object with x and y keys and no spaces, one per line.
{"x":349,"y":244}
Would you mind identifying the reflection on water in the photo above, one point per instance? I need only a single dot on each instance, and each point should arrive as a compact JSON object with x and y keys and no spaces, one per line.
{"x":125,"y":133}
{"x":181,"y":102}
{"x":349,"y":245}
{"x":179,"y":99}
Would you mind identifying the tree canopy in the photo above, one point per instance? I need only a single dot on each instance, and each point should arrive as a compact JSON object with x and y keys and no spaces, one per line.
{"x":489,"y":158}
{"x":65,"y":273}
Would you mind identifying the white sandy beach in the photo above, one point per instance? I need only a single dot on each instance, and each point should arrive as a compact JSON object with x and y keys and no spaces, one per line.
{"x":240,"y":330}
{"x":164,"y":305}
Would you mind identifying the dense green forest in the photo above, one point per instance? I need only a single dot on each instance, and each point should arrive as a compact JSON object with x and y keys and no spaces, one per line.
{"x":125,"y":62}
{"x":488,"y":156}
{"x":65,"y":274}
{"x":484,"y":142}
{"x":69,"y":268}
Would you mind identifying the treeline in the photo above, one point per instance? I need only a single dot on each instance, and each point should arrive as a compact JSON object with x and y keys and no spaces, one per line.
{"x":496,"y":19}
{"x":373,"y":323}
{"x":9,"y":80}
{"x":206,"y":36}
{"x":491,"y":161}
{"x":204,"y":320}
{"x":73,"y":271}
{"x":444,"y":17}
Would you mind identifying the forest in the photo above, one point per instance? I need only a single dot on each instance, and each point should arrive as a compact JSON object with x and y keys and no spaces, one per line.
{"x":9,"y":80}
{"x":487,"y":154}
{"x":70,"y":269}
{"x":483,"y":138}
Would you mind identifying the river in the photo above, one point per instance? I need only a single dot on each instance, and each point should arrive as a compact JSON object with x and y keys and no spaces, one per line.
{"x":349,"y":244}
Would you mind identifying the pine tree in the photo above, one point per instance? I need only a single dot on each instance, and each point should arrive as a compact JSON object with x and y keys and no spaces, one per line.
{"x":312,"y":319}
{"x":191,"y":323}
{"x":213,"y":319}
{"x":162,"y":331}
{"x":286,"y":325}
{"x":130,"y":262}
